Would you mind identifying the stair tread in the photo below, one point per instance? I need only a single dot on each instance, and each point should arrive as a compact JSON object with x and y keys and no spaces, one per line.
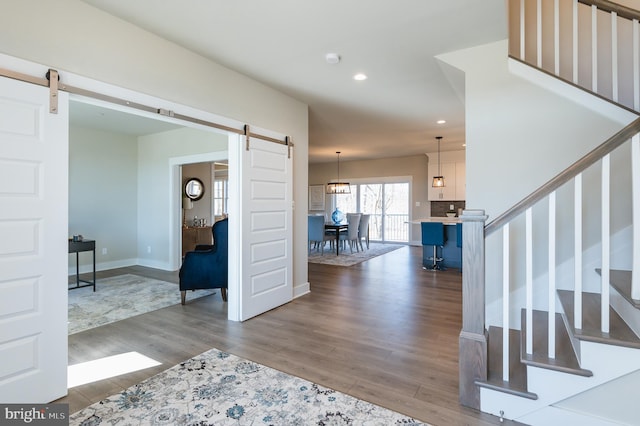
{"x":620,"y":334}
{"x":621,"y":281}
{"x":565,"y":358}
{"x":517,"y":384}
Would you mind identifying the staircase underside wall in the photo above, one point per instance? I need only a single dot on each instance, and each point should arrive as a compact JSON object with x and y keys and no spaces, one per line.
{"x":520,"y":135}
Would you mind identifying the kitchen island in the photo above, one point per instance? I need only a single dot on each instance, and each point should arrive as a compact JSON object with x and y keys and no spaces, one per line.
{"x":451,"y":253}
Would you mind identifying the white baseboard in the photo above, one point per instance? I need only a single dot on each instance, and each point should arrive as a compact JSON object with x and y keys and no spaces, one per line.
{"x":156,"y":264}
{"x":301,"y":290}
{"x":103,"y":266}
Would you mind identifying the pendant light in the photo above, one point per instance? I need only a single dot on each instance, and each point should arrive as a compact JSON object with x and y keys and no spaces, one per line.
{"x":438,"y":181}
{"x":338,"y":187}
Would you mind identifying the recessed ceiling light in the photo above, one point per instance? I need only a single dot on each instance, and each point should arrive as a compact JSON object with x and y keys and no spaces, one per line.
{"x":332,"y":58}
{"x":360,"y":76}
{"x":464,"y":144}
{"x":441,"y":121}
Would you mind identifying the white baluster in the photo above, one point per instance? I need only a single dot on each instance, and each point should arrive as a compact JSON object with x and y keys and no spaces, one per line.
{"x":575,"y":42}
{"x":556,"y":36}
{"x":614,"y":55}
{"x":577,"y":210}
{"x":552,"y":275}
{"x":505,"y":303}
{"x":606,"y":243}
{"x":635,"y":185}
{"x":539,"y":33}
{"x":594,"y":48}
{"x":522,"y":31}
{"x":635,"y":166}
{"x":529,"y":278}
{"x":636,"y":64}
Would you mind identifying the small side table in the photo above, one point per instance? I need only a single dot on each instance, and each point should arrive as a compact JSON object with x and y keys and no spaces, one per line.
{"x":76,"y":247}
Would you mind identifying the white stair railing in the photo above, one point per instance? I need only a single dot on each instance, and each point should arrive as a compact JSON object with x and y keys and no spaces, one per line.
{"x":473,"y":355}
{"x":585,"y":16}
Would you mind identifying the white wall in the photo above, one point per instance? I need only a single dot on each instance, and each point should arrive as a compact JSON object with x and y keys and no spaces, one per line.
{"x":155,"y":189}
{"x":519,"y":136}
{"x":517,"y":130}
{"x":70,"y":35}
{"x":117,"y":184}
{"x":103,"y":195}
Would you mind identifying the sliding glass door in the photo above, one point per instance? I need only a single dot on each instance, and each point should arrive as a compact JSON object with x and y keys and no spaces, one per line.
{"x":388,"y":205}
{"x":395,"y":213}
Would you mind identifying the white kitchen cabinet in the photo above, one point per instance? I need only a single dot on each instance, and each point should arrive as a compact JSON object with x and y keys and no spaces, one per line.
{"x":454,"y":182}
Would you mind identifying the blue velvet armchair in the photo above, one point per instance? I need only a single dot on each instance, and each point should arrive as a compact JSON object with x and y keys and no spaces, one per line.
{"x":207,"y":266}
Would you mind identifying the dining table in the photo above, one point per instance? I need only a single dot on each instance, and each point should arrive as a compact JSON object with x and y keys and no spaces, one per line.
{"x":337,"y":227}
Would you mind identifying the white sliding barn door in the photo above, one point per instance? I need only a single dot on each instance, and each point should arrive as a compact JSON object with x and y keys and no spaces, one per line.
{"x":266,"y":228}
{"x":33,"y":244}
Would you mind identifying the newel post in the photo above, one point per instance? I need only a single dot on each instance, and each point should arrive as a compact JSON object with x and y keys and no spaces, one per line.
{"x":473,"y":337}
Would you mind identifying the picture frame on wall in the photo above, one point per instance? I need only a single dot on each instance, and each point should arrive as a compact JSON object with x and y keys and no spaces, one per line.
{"x":316,"y":197}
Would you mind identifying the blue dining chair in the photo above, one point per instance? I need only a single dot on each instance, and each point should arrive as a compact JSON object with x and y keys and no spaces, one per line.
{"x":316,"y":234}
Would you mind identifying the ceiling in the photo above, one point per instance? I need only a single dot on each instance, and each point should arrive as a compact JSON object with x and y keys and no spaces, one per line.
{"x":111,"y":120}
{"x":283,"y":43}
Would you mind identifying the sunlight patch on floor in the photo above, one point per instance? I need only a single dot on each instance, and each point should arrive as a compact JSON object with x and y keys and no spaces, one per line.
{"x":104,"y":368}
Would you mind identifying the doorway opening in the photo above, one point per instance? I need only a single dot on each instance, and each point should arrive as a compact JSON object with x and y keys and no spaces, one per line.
{"x":121,"y":193}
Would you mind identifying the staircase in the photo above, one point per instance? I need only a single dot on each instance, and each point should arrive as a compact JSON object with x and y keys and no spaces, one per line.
{"x":562,"y":336}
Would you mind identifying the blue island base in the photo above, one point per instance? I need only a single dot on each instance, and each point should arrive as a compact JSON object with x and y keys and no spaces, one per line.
{"x":451,"y":253}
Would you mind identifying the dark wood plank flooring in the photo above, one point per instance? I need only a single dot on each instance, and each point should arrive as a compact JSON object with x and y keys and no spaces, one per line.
{"x":385,"y":331}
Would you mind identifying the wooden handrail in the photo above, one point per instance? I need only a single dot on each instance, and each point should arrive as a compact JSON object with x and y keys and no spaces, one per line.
{"x":565,"y":176}
{"x":609,"y":6}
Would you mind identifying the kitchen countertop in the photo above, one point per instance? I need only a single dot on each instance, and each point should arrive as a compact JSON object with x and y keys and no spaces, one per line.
{"x":444,"y":220}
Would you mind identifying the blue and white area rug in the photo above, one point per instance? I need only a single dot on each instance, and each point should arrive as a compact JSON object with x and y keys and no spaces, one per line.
{"x":121,"y":297}
{"x":217,"y":388}
{"x":346,"y":257}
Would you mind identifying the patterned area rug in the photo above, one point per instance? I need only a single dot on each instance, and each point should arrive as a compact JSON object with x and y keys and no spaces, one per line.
{"x":217,"y":388}
{"x":121,"y":297}
{"x":346,"y":258}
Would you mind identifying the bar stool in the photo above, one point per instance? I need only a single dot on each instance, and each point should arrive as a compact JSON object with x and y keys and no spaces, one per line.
{"x":432,"y":235}
{"x":459,"y":240}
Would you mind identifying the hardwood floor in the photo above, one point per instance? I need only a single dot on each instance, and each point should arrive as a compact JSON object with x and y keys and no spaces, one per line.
{"x":385,"y":331}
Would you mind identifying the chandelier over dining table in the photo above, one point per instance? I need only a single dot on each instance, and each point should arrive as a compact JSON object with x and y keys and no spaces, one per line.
{"x":338,"y":187}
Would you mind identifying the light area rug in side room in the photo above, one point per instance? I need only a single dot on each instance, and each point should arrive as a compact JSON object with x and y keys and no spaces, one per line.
{"x":120,"y":297}
{"x":346,"y":258}
{"x":217,"y":388}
